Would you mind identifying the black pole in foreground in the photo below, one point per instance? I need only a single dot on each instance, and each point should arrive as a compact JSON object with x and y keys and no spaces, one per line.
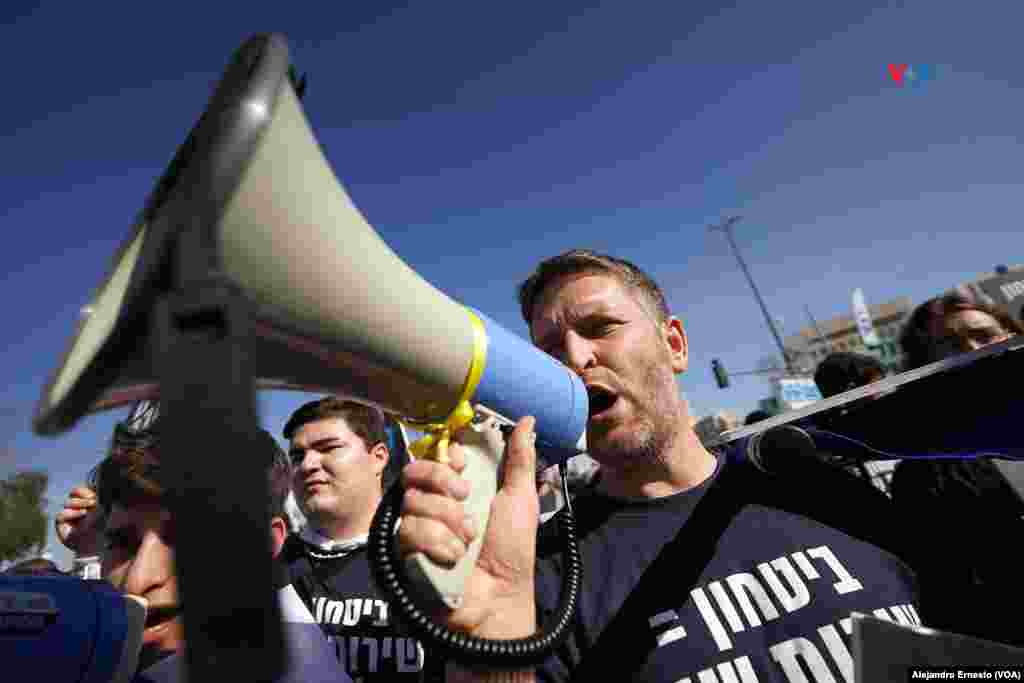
{"x":217,"y":485}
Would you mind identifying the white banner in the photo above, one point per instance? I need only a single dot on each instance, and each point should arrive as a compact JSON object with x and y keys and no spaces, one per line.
{"x":863,"y":319}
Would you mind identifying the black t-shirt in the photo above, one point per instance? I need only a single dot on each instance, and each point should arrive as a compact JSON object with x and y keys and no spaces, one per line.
{"x":749,"y":590}
{"x":345,"y":601}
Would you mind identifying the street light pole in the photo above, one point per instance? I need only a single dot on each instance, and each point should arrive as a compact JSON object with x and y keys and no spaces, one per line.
{"x":726,"y":227}
{"x":821,"y":337}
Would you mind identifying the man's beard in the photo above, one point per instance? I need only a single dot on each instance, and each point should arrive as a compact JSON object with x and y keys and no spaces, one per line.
{"x":647,"y":444}
{"x":655,"y":432}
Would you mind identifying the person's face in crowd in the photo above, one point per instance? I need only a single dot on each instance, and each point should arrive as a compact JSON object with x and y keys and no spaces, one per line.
{"x":335,"y":473}
{"x":969,"y":330}
{"x":869,"y":377}
{"x":872,"y":376}
{"x":598,"y":328}
{"x":138,"y":558}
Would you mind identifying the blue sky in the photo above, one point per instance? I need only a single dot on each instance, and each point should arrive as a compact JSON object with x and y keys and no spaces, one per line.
{"x":481,"y":137}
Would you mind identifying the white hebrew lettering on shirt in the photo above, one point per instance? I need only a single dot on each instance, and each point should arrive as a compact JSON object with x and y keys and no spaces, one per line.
{"x":838,"y":651}
{"x":409,"y":654}
{"x":353,"y":611}
{"x":662,"y":618}
{"x":902,"y":616}
{"x":372,"y":659}
{"x":800,"y":659}
{"x":707,"y":676}
{"x":744,"y":586}
{"x":353,"y":654}
{"x":737,"y":671}
{"x":805,"y":565}
{"x":726,"y":606}
{"x":318,"y":610}
{"x":382,"y":609}
{"x":789,"y":653}
{"x":791,"y":600}
{"x":846,"y":583}
{"x":711,"y":620}
{"x":668,"y":636}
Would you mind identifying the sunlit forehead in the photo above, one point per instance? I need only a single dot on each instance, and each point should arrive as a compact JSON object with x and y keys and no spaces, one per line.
{"x":573,"y":298}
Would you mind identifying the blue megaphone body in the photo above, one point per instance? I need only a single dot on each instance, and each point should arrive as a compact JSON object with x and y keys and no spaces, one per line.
{"x":519,"y":379}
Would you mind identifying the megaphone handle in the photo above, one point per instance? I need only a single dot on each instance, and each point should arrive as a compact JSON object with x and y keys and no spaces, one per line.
{"x":483,"y":445}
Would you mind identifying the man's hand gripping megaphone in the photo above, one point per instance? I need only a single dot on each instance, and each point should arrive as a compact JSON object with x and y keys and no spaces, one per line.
{"x":470,"y":526}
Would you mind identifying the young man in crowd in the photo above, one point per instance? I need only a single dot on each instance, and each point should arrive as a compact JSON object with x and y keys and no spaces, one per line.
{"x":123,"y":516}
{"x":693,"y":569}
{"x":340,"y":457}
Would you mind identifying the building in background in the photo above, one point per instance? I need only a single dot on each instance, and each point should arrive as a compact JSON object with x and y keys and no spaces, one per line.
{"x":1003,"y":287}
{"x":813,"y":343}
{"x":794,"y":393}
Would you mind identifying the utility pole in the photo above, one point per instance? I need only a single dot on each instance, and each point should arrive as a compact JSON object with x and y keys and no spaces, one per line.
{"x":726,"y":227}
{"x":814,"y":323}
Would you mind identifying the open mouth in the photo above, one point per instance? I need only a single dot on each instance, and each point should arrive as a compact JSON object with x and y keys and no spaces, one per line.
{"x":601,"y":400}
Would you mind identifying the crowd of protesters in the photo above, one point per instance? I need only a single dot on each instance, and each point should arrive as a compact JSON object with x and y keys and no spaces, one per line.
{"x":672,"y":535}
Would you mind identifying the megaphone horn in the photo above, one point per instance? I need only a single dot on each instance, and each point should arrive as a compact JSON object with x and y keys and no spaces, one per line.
{"x":335,"y":309}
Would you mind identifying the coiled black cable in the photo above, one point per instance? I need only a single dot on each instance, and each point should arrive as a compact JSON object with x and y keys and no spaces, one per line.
{"x":389,"y":573}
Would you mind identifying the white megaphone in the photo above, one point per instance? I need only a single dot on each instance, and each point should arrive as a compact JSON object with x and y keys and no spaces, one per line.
{"x":333,"y":309}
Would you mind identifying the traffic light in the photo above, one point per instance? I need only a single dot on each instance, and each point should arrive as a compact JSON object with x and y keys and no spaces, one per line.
{"x":721,"y":376}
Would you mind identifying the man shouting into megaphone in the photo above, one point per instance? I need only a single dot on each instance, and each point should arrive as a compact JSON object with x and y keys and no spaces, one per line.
{"x":689,"y":563}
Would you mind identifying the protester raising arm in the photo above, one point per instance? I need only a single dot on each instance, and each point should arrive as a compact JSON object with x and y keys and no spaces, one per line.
{"x":77,"y":527}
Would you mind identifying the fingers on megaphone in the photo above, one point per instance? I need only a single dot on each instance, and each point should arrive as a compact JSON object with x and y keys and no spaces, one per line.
{"x":428,"y":476}
{"x":456,"y":530}
{"x":433,"y":515}
{"x":436,"y":539}
{"x":519,"y":469}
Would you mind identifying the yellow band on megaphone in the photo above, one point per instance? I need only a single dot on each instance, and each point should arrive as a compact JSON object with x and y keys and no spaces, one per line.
{"x":437,"y":435}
